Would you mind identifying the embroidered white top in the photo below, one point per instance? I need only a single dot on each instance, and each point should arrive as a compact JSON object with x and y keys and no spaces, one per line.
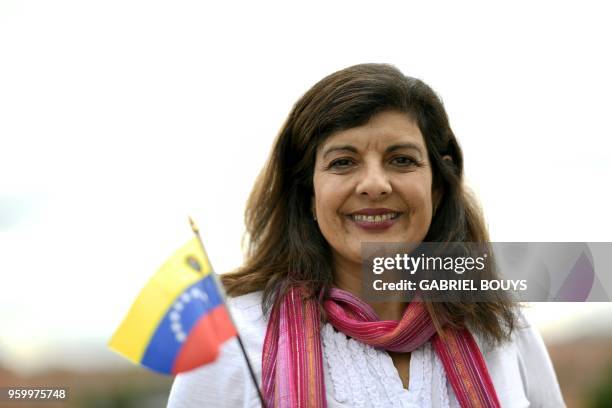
{"x":357,"y":375}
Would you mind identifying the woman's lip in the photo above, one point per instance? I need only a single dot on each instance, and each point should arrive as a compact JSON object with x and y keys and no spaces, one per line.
{"x":375,"y":225}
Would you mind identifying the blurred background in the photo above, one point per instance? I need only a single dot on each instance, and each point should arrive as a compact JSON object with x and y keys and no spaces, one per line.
{"x":118,"y":119}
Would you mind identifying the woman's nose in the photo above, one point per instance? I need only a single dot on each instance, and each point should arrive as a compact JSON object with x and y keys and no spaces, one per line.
{"x":374,"y":182}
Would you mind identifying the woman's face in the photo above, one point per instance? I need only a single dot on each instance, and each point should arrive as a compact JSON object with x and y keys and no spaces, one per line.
{"x":373,"y":183}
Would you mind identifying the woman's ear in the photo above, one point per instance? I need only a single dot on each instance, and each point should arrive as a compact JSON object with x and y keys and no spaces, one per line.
{"x":436,"y":199}
{"x":438,"y":192}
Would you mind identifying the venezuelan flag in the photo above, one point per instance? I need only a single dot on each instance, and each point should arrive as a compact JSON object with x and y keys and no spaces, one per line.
{"x":179,"y":320}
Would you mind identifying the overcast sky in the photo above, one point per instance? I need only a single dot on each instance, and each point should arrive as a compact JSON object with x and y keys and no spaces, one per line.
{"x":118,"y":119}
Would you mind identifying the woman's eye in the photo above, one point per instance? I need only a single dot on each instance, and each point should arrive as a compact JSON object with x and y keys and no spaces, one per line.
{"x":341,"y":163}
{"x":403,"y":161}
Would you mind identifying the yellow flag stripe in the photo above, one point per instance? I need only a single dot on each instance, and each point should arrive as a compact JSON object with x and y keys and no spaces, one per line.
{"x":176,"y":274}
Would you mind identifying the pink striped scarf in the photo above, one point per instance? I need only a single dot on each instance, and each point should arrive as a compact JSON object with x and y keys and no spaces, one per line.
{"x":292,"y":360}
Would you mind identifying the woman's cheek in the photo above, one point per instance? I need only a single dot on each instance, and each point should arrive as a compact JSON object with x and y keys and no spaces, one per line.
{"x":332,"y":196}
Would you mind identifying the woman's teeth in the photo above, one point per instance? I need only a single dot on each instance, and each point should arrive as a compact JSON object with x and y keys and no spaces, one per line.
{"x":374,"y":218}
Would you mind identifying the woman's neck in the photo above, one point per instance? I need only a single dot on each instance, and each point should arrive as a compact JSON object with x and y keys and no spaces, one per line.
{"x":347,"y":276}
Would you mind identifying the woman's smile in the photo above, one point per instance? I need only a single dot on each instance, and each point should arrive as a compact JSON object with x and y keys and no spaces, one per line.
{"x":374,"y":219}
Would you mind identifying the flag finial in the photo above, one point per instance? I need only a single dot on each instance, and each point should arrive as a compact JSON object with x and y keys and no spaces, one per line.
{"x":194,"y":227}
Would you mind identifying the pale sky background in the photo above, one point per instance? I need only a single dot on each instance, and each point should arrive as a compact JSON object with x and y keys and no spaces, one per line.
{"x":118,"y":119}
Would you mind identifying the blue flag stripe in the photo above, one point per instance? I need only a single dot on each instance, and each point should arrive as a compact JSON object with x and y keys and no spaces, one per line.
{"x":183,"y":314}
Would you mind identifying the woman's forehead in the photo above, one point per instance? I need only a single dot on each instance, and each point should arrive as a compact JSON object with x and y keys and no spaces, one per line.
{"x":381,"y":131}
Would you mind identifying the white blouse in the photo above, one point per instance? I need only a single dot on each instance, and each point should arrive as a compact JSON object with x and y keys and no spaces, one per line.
{"x":357,"y":375}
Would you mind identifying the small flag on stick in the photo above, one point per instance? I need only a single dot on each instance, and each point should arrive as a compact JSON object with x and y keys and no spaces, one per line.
{"x":179,"y":320}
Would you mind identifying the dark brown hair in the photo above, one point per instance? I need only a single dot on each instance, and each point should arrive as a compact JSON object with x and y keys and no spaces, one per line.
{"x":284,"y":244}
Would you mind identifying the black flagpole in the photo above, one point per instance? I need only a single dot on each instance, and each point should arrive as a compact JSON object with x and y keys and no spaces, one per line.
{"x":196,"y":231}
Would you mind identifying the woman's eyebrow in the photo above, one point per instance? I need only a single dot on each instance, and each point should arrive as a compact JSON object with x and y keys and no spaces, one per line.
{"x":332,"y":149}
{"x":392,"y":148}
{"x":409,"y":145}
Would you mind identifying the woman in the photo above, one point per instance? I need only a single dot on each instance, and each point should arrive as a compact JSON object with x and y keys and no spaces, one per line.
{"x":366,"y":155}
